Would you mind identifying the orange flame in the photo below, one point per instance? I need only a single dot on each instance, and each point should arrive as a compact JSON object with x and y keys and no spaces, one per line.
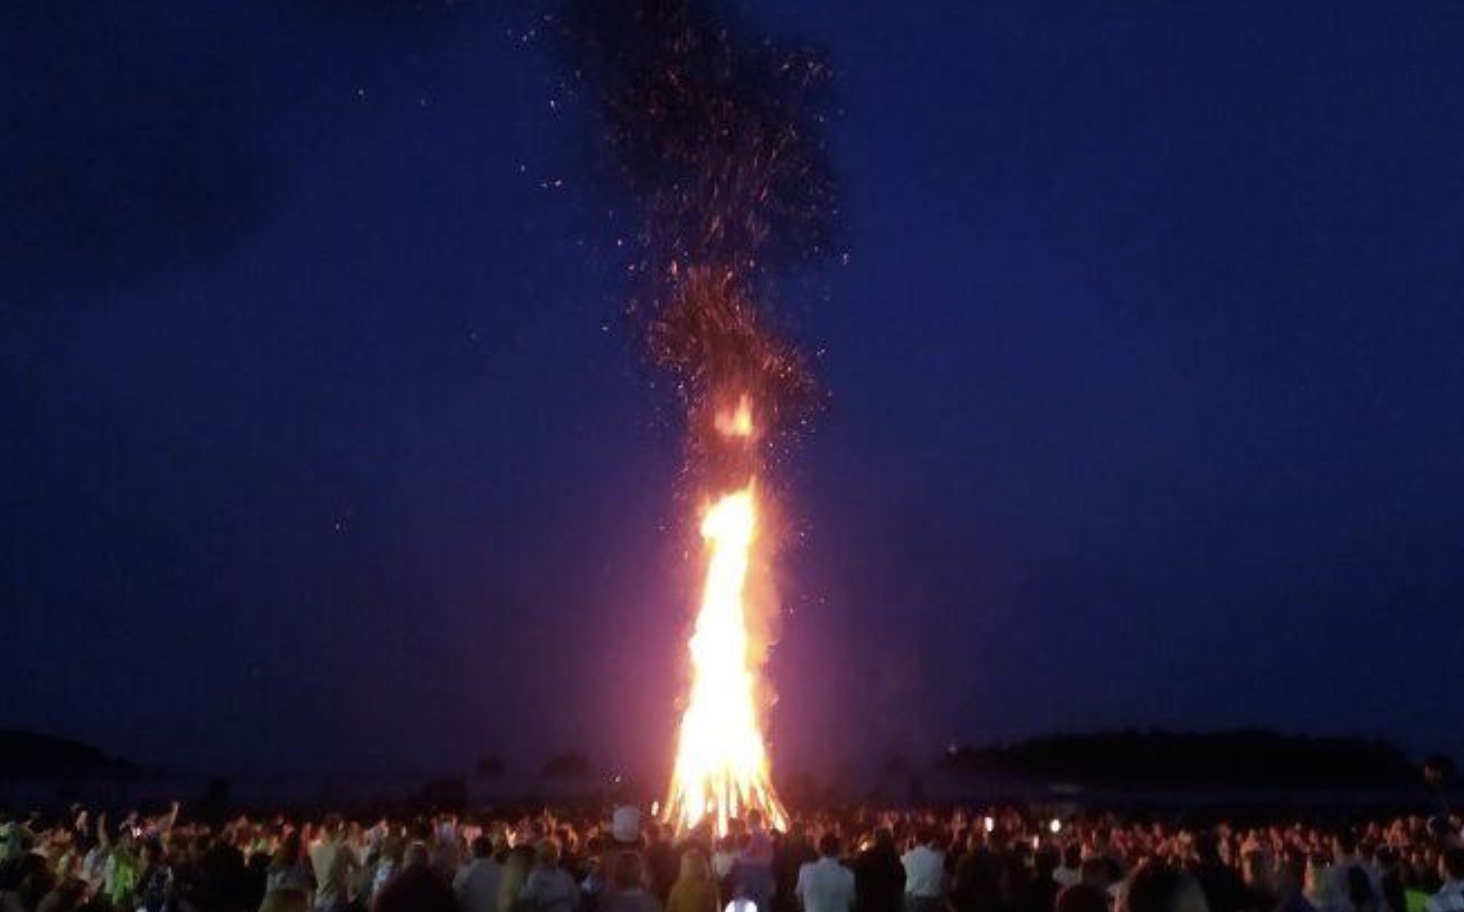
{"x":721,"y":770}
{"x":738,"y":422}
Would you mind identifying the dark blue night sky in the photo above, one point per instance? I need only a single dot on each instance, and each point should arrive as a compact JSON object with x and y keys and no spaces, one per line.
{"x":322,"y":445}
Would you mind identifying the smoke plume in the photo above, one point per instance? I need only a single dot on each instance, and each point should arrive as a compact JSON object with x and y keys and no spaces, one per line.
{"x":720,"y":138}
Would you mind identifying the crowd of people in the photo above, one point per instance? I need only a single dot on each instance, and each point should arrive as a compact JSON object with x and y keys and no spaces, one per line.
{"x":1005,"y":860}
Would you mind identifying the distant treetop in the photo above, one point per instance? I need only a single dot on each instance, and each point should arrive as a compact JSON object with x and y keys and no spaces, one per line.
{"x":1247,"y":757}
{"x":33,"y":755}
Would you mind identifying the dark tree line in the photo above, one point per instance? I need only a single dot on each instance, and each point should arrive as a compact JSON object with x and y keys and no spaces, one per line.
{"x":1248,"y":757}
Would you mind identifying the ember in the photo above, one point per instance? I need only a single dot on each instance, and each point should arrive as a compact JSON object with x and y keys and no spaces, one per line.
{"x":720,"y":137}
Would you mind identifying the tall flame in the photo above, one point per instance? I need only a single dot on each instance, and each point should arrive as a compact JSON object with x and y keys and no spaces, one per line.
{"x":721,"y":770}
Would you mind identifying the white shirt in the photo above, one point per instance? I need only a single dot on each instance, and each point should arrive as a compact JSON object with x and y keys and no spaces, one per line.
{"x":825,"y":886}
{"x":332,"y":861}
{"x":1341,"y":889}
{"x":476,"y":885}
{"x":550,"y":890}
{"x":93,"y":867}
{"x":1449,"y":899}
{"x":924,"y":871}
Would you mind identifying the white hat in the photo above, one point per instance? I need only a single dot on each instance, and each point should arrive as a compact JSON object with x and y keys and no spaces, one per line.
{"x":625,"y":823}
